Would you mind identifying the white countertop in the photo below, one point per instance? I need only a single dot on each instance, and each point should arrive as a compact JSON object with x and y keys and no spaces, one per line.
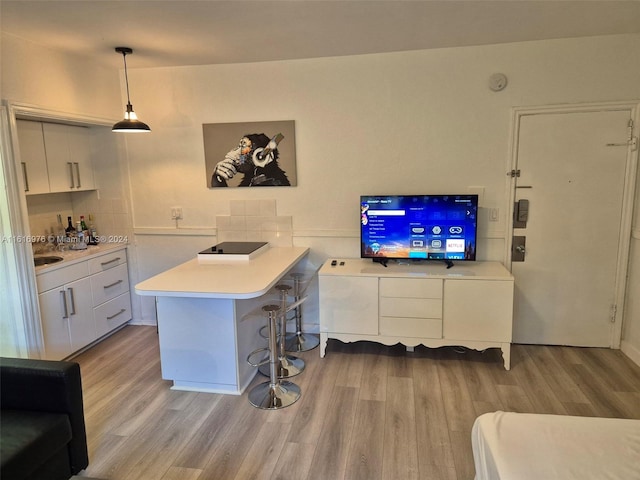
{"x":429,"y":269}
{"x":233,"y":279}
{"x":69,"y":257}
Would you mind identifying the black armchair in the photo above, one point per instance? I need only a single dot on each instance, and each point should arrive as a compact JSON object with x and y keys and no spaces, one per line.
{"x":42,"y":429}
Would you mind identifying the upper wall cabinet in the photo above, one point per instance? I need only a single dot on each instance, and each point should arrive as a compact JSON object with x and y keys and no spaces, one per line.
{"x":67,"y":157}
{"x":68,"y":151}
{"x":33,"y":158}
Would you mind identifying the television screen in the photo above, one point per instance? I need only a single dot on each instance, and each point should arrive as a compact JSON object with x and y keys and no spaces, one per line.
{"x":418,"y":227}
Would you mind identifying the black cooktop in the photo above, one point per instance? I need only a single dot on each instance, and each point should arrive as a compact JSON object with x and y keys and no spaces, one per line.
{"x":233,"y":248}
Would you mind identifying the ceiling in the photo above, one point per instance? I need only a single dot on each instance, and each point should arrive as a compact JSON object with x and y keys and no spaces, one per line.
{"x":185,"y":32}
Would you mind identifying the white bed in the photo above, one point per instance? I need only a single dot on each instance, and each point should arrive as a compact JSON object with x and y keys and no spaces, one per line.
{"x":523,"y":446}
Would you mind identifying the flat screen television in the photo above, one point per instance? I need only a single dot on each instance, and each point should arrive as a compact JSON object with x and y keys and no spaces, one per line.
{"x":418,"y":227}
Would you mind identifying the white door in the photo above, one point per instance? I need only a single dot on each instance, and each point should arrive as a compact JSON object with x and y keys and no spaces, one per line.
{"x":572,"y":172}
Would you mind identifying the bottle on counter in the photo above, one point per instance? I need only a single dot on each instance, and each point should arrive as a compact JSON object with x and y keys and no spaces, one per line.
{"x":60,"y":232}
{"x":70,"y":230}
{"x":93,"y":234}
{"x":81,"y":243}
{"x":83,"y":225}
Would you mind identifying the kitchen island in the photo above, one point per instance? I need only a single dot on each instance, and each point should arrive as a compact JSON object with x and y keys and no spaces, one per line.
{"x":209,"y":316}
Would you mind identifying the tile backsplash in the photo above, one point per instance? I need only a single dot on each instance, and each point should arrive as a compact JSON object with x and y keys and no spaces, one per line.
{"x":255,"y":220}
{"x":110,"y":215}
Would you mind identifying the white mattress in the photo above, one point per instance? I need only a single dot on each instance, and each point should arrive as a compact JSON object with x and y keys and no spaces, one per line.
{"x":522,"y":446}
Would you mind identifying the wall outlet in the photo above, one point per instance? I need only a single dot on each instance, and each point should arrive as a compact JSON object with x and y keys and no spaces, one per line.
{"x":176,"y":213}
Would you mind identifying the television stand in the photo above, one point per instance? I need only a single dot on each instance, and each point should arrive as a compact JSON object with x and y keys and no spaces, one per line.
{"x":382,"y":261}
{"x":417,"y":304}
{"x":385,"y":261}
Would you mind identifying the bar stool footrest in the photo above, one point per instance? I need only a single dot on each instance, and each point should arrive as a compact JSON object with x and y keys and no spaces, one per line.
{"x":287,"y":367}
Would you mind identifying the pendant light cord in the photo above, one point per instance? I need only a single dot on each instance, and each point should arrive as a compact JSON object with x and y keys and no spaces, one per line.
{"x":126,"y":77}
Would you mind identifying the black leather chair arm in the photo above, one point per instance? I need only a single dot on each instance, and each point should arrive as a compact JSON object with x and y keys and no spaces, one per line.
{"x":47,"y":386}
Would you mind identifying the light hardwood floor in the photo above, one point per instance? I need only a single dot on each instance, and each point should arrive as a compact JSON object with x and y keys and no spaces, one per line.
{"x":367,"y":411}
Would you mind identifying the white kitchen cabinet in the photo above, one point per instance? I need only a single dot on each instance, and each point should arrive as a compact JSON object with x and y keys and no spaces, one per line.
{"x":66,"y":313}
{"x":469,"y":305}
{"x":33,"y":158}
{"x":68,"y":150}
{"x":82,"y":302}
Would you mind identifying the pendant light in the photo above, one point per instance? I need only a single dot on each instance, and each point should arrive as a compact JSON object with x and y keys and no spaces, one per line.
{"x":130,"y":124}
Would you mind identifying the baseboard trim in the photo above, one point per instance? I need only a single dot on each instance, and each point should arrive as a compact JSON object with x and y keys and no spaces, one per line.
{"x":630,"y":351}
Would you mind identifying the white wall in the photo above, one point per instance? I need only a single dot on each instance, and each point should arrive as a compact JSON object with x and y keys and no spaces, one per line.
{"x":49,"y":79}
{"x":405,"y":122}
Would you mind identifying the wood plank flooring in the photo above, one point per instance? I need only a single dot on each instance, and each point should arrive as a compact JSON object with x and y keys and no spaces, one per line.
{"x":367,"y":411}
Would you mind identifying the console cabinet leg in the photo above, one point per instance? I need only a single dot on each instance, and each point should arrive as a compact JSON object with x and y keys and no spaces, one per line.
{"x":506,"y":355}
{"x":323,"y":344}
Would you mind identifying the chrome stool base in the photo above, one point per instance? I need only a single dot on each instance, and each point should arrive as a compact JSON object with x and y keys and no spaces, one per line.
{"x":302,"y":342}
{"x":273,"y":396}
{"x":288,"y":366}
{"x":275,"y":393}
{"x":299,"y":341}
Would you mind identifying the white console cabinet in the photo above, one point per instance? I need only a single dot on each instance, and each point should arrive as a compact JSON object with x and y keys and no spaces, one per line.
{"x":470,"y":304}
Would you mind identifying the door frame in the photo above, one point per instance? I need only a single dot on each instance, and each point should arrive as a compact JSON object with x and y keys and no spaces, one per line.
{"x":629,"y":188}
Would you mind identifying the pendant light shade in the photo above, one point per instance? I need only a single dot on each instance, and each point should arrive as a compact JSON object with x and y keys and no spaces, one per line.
{"x":130,"y":124}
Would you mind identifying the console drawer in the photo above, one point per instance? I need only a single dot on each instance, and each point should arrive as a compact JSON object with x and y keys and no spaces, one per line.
{"x":411,"y":307}
{"x":411,"y":287}
{"x":411,"y":327}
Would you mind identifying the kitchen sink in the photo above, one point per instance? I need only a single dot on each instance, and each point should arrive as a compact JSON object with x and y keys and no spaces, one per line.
{"x":39,"y":261}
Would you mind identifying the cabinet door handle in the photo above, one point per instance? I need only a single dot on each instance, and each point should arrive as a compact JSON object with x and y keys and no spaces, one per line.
{"x":78,"y":184}
{"x":116,"y":314}
{"x":64,"y":304}
{"x":26,"y":178}
{"x":72,"y":184}
{"x":109,"y":261}
{"x":73,"y":301}
{"x":112,"y":284}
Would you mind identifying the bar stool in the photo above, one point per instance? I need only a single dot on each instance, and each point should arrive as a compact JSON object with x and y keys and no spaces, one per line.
{"x":275,"y":393}
{"x":300,"y":341}
{"x":288,"y":365}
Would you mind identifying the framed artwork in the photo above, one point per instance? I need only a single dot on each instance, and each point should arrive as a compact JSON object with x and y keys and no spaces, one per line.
{"x":250,"y":154}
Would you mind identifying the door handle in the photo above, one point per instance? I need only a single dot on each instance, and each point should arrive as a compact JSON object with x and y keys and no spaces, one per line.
{"x":79,"y":184}
{"x":72,"y":184}
{"x":63,"y":294}
{"x":518,"y":248}
{"x":26,"y":178}
{"x":72,"y":301}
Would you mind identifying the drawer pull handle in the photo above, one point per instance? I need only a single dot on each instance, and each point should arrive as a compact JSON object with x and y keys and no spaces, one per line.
{"x":110,"y":261}
{"x":122,"y":310}
{"x":112,"y":284}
